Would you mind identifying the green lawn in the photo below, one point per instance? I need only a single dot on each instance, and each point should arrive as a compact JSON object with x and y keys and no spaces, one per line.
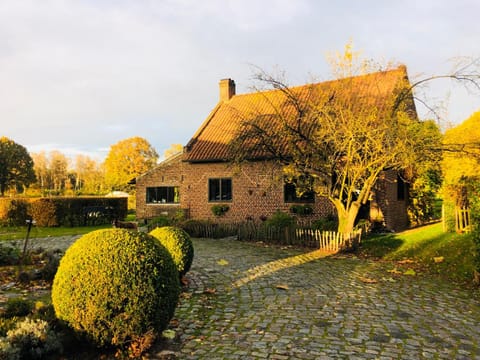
{"x":422,"y":245}
{"x":19,"y":232}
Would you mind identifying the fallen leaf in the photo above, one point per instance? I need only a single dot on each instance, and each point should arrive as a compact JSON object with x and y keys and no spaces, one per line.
{"x":282,"y":286}
{"x":367,"y":280}
{"x":394,"y":271}
{"x":210,"y":291}
{"x":438,"y":259}
{"x":186,"y":295}
{"x":406,"y":261}
{"x":410,"y":272}
{"x":174,"y":323}
{"x":169,"y":334}
{"x":222,"y":262}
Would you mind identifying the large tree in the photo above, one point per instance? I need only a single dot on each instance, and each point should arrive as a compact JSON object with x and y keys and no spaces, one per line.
{"x":88,"y":175}
{"x":52,"y":172}
{"x":336,"y":140}
{"x":126,"y":160}
{"x":58,"y":171}
{"x":16,"y":166}
{"x":461,"y":162}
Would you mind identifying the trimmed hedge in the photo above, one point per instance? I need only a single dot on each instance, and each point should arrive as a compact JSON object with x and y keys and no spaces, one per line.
{"x":63,"y":211}
{"x":116,"y":286}
{"x":178,"y":244}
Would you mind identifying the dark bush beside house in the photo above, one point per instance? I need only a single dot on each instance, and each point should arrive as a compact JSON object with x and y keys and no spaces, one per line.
{"x":178,"y":244}
{"x":280,"y":220}
{"x":329,"y":223}
{"x":116,"y":287}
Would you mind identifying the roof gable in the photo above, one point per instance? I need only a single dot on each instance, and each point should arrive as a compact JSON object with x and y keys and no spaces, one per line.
{"x":211,"y":141}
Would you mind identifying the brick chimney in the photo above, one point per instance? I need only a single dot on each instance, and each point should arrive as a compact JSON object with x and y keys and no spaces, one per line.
{"x":227,"y":89}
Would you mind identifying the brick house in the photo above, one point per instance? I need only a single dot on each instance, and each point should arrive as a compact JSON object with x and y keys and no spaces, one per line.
{"x":201,"y":177}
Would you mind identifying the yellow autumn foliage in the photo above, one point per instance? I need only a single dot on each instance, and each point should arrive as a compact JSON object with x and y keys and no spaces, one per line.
{"x":461,"y":159}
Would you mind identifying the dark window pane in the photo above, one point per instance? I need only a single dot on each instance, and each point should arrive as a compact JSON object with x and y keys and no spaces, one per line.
{"x":163,"y":195}
{"x":213,"y":190}
{"x":219,"y":189}
{"x":226,"y":189}
{"x":290,"y":194}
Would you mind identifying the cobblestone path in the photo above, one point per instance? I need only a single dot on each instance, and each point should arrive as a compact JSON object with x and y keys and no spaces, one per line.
{"x":244,"y":302}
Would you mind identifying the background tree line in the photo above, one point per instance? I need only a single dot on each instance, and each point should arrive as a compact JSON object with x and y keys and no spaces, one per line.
{"x":54,"y":174}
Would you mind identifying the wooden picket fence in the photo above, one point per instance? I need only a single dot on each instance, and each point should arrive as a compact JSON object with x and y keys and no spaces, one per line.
{"x":330,"y":241}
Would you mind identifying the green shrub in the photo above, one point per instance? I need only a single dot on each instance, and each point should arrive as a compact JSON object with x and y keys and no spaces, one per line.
{"x":114,"y":285}
{"x":301,"y":209}
{"x":9,"y":255}
{"x":220,"y":209}
{"x":159,"y":221}
{"x":280,"y":220}
{"x":7,"y":324}
{"x":178,"y":244}
{"x":31,"y":339}
{"x":329,"y":223}
{"x":17,"y":307}
{"x":52,"y":261}
{"x":17,"y":212}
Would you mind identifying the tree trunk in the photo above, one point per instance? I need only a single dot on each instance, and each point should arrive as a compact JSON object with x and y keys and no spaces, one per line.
{"x":346,"y":217}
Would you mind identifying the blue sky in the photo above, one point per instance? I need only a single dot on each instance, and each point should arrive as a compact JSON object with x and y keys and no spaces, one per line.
{"x":78,"y":76}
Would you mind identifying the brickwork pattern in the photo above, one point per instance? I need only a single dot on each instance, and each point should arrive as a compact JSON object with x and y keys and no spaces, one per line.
{"x":257,"y":192}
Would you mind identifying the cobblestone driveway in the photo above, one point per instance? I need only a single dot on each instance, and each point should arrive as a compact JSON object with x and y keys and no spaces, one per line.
{"x":243,"y":302}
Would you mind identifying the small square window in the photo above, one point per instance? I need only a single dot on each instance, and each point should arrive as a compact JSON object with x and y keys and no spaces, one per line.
{"x":220,"y":189}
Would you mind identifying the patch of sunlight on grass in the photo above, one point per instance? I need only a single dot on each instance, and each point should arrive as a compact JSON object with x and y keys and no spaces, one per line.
{"x":424,"y":244}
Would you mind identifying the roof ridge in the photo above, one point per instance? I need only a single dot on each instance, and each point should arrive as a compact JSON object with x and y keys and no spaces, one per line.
{"x":400,"y":67}
{"x":210,"y":141}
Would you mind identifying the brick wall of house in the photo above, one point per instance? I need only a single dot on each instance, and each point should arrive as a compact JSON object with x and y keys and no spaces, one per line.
{"x":387,"y":205}
{"x":257,"y":191}
{"x":168,"y":173}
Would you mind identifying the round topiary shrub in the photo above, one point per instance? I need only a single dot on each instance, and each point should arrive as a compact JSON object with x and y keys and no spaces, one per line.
{"x":116,"y":286}
{"x":178,"y":243}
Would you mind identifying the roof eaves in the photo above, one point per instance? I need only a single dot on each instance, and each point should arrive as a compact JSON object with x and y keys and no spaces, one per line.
{"x":203,"y":126}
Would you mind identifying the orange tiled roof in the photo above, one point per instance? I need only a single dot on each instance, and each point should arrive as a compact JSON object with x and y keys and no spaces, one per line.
{"x":211,"y":141}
